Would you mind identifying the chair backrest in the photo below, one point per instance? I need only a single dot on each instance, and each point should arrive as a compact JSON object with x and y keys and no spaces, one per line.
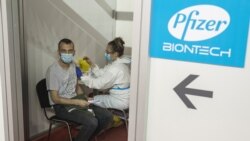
{"x":42,"y":92}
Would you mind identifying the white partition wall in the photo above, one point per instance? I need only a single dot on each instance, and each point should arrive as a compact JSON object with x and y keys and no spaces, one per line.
{"x":94,"y":14}
{"x":124,"y":27}
{"x":196,"y":99}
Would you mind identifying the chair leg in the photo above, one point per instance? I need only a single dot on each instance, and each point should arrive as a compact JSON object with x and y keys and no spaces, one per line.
{"x":126,"y":123}
{"x":125,"y":119}
{"x":50,"y":125}
{"x":69,"y":130}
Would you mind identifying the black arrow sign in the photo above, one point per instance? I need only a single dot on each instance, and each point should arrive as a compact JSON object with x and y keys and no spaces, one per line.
{"x":181,"y":90}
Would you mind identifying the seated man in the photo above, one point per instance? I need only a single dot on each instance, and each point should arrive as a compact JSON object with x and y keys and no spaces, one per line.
{"x":62,"y":85}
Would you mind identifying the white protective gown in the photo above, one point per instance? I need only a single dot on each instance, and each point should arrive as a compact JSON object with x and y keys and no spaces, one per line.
{"x":115,"y":77}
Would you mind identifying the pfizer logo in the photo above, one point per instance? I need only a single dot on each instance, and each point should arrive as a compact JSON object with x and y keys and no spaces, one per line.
{"x":197,"y":23}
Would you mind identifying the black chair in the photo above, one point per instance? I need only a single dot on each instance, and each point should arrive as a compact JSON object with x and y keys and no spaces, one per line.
{"x":43,"y":97}
{"x":123,"y":114}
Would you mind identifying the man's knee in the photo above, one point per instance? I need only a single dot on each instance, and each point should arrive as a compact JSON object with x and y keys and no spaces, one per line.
{"x":109,"y":116}
{"x":106,"y":118}
{"x":92,"y":123}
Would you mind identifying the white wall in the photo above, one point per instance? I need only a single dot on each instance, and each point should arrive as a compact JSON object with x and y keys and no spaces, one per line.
{"x":124,"y":28}
{"x":225,"y":117}
{"x":124,"y":5}
{"x":92,"y":16}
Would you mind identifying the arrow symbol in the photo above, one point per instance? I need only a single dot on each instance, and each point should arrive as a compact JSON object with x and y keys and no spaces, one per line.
{"x":181,"y":91}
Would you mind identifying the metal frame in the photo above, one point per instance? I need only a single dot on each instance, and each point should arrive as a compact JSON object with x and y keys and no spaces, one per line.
{"x":2,"y":77}
{"x":140,"y":72}
{"x":54,"y":121}
{"x":10,"y":70}
{"x":122,"y":113}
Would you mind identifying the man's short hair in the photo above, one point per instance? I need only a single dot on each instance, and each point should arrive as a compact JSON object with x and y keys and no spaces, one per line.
{"x":65,"y":41}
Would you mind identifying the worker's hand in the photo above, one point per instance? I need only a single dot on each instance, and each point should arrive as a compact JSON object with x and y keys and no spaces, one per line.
{"x":90,"y":98}
{"x":88,"y":60}
{"x":92,"y":65}
{"x":85,"y":80}
{"x":81,"y":103}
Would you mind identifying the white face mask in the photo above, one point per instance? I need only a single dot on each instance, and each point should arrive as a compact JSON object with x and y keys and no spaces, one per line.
{"x":67,"y":58}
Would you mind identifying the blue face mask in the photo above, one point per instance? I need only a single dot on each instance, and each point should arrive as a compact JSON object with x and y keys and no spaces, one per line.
{"x":67,"y":58}
{"x":107,"y":57}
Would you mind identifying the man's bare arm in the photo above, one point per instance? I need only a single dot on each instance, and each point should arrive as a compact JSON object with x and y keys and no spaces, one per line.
{"x":67,"y":101}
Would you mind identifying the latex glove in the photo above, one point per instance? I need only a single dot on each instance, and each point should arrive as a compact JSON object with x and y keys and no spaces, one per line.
{"x":85,"y":80}
{"x":88,"y":60}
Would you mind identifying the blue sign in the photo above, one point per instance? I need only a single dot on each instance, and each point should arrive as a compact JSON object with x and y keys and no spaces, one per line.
{"x":203,"y":31}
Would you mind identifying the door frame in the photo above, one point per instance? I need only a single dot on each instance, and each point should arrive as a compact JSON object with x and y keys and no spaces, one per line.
{"x":10,"y":71}
{"x":140,"y":71}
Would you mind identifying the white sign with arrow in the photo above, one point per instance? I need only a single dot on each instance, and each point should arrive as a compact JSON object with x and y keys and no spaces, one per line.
{"x":198,"y":102}
{"x":181,"y":90}
{"x":209,"y":39}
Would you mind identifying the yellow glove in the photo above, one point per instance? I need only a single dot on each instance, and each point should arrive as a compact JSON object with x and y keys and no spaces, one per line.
{"x":84,"y":66}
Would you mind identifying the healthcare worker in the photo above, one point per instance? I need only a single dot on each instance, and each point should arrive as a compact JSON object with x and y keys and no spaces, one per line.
{"x":115,"y":76}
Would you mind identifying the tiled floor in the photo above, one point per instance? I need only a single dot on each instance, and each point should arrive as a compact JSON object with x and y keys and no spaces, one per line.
{"x":113,"y":134}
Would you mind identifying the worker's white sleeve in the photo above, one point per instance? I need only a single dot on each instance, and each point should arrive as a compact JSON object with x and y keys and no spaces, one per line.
{"x":105,"y":81}
{"x":97,"y":72}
